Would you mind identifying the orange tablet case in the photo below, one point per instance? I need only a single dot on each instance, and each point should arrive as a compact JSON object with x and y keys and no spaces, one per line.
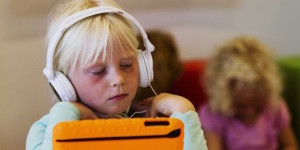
{"x":119,"y":134}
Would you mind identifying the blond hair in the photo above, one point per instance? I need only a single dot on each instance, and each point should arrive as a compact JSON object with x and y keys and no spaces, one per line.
{"x":83,"y":42}
{"x":246,"y":60}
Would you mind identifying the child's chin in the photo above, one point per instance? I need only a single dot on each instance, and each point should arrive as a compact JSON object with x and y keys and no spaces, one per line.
{"x":118,"y":111}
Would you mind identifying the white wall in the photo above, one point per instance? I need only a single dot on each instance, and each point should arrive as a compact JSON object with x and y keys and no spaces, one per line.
{"x":23,"y":90}
{"x":198,"y":27}
{"x":24,"y":95}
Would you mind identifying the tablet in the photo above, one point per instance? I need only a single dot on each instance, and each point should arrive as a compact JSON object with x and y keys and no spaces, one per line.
{"x":119,"y":134}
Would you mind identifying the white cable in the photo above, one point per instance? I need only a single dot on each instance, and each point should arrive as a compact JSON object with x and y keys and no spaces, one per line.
{"x":138,"y":112}
{"x":152,"y":89}
{"x":119,"y":116}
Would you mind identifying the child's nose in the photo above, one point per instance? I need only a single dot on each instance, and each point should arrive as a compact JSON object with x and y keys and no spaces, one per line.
{"x":117,"y":78}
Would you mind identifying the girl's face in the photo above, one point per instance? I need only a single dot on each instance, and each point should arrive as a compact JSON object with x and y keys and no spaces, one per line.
{"x":248,"y":104}
{"x":109,"y":86}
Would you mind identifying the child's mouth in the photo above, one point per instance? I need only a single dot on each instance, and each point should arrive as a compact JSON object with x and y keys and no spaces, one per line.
{"x":118,"y":97}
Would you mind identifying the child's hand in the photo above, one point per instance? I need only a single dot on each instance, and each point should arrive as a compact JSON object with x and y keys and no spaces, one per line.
{"x":85,"y":112}
{"x":167,"y":104}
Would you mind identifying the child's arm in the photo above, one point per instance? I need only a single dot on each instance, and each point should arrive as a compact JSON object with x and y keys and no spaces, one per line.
{"x":287,"y":139}
{"x":286,"y":135}
{"x":40,"y":133}
{"x":167,"y":104}
{"x":85,"y":112}
{"x":193,"y":134}
{"x":181,"y":108}
{"x":36,"y":134}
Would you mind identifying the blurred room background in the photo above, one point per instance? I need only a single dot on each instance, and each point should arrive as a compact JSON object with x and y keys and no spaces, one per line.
{"x":197,"y":25}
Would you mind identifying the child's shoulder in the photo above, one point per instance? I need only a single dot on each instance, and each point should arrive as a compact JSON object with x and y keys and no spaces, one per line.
{"x":283,"y":110}
{"x":277,"y":108}
{"x":278,"y":115}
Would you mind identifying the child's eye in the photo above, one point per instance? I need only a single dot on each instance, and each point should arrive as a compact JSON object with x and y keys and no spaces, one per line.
{"x":126,"y":65}
{"x":98,"y":72}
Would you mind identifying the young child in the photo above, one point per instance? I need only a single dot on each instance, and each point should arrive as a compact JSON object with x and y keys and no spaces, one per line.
{"x":95,"y":68}
{"x":245,"y":110}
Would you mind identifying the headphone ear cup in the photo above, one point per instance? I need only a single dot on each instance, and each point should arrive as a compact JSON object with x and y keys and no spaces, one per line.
{"x":145,"y":68}
{"x":63,"y":87}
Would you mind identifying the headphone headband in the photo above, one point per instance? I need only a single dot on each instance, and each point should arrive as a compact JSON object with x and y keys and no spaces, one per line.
{"x":69,"y":21}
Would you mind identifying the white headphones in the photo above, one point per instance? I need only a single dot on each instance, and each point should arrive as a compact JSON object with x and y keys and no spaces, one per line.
{"x":61,"y":83}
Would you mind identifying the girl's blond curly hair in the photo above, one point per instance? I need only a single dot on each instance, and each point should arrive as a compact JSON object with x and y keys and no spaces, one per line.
{"x":246,"y":60}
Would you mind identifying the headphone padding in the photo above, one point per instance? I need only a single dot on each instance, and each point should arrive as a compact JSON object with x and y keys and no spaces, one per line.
{"x":144,"y":70}
{"x":63,"y":87}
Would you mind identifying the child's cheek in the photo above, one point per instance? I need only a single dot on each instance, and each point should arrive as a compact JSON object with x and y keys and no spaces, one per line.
{"x":95,"y":78}
{"x":131,"y":70}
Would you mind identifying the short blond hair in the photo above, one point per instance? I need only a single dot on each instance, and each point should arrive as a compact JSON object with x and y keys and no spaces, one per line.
{"x":245,"y":59}
{"x":83,"y":42}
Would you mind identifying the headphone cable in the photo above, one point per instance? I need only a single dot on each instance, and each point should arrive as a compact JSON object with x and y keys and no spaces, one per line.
{"x":153,"y":89}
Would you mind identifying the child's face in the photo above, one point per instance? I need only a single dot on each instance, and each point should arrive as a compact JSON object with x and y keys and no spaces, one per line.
{"x":248,"y":104}
{"x":109,"y":86}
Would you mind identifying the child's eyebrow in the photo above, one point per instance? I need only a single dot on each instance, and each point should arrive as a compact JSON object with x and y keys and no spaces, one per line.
{"x":91,"y":66}
{"x":128,"y":57}
{"x":101,"y":63}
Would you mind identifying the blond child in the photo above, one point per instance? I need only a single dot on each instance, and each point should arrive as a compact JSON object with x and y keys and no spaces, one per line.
{"x":245,"y":110}
{"x":95,"y":68}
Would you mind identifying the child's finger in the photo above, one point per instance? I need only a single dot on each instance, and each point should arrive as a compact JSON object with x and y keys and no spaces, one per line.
{"x":85,"y":112}
{"x":144,"y":105}
{"x":153,"y":112}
